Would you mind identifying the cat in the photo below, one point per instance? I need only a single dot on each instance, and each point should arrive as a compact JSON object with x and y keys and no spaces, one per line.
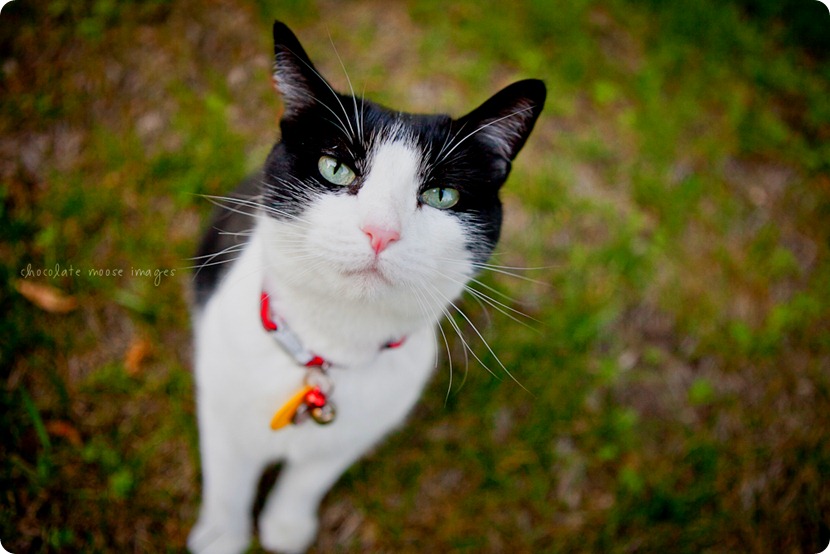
{"x":321,"y":282}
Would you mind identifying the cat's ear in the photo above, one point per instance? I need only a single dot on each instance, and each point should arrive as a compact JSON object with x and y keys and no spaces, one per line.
{"x":505,"y":120}
{"x":295,"y":77}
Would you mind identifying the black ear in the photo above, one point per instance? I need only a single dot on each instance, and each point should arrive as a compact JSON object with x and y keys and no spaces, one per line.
{"x":299,"y":83}
{"x":505,"y":120}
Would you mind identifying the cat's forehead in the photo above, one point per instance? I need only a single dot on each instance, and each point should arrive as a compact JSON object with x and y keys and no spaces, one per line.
{"x":359,"y":122}
{"x":381,"y":125}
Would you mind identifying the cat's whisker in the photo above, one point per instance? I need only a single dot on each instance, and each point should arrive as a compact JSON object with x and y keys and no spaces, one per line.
{"x":442,"y":300}
{"x":351,"y":88}
{"x":246,"y":200}
{"x":294,"y":231}
{"x":476,"y":293}
{"x":481,"y":128}
{"x":481,"y":304}
{"x":501,"y":307}
{"x":211,"y":257}
{"x":339,"y":124}
{"x":246,"y":234}
{"x":448,"y":138}
{"x":207,"y":264}
{"x":488,"y":264}
{"x":427,"y":317}
{"x":486,"y":345}
{"x":496,"y":269}
{"x":496,"y":303}
{"x":446,"y":316}
{"x":362,"y":107}
{"x":296,"y":186}
{"x":333,"y":92}
{"x":467,"y":349}
{"x":201,"y":266}
{"x":223,"y":201}
{"x":230,"y":202}
{"x":287,"y":239}
{"x":518,"y":268}
{"x":449,"y":359}
{"x":228,"y":250}
{"x":496,"y":291}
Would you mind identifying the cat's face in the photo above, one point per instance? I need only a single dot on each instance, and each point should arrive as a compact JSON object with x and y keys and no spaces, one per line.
{"x":373,"y":202}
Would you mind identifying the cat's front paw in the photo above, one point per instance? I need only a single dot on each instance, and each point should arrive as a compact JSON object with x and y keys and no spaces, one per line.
{"x":287,"y":535}
{"x":212,"y":539}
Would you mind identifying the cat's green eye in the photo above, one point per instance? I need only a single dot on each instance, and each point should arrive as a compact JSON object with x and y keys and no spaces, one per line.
{"x":442,"y":198}
{"x":335,"y":172}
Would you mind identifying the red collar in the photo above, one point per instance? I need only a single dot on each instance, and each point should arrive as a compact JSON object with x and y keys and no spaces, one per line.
{"x":291,"y":343}
{"x":312,"y":399}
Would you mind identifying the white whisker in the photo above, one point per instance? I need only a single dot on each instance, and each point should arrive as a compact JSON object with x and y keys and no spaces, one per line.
{"x":351,"y":88}
{"x":487,"y":345}
{"x":207,"y":264}
{"x":509,"y":274}
{"x":503,"y":308}
{"x":228,"y":250}
{"x":336,"y":97}
{"x":457,"y":144}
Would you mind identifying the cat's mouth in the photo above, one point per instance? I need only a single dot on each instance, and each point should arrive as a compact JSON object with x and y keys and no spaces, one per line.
{"x":370,"y":273}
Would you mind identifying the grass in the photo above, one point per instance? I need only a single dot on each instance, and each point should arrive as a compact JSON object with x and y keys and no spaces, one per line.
{"x":674,"y":199}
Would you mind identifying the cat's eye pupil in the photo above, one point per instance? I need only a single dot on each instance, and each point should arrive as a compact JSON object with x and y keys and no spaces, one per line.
{"x":442,"y":198}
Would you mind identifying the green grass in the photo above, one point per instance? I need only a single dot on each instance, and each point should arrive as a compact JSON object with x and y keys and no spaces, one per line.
{"x":674,"y":198}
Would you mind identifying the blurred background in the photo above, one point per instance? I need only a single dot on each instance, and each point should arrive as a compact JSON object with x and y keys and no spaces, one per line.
{"x":666,"y":240}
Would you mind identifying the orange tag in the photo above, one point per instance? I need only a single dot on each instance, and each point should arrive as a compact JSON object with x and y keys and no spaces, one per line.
{"x":285,"y":414}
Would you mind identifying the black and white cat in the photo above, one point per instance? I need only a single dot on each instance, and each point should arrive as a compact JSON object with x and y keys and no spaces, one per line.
{"x":321,"y":285}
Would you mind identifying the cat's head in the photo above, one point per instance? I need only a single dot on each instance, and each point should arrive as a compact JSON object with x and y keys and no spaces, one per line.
{"x":374,"y":201}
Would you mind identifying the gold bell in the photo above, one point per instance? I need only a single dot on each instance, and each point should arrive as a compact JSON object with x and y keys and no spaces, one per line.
{"x":323,"y":414}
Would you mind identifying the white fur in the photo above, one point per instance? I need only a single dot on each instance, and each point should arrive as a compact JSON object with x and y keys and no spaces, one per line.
{"x":344,"y":302}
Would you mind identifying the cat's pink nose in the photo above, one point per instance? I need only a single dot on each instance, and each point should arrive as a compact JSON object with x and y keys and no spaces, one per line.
{"x":380,"y":237}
